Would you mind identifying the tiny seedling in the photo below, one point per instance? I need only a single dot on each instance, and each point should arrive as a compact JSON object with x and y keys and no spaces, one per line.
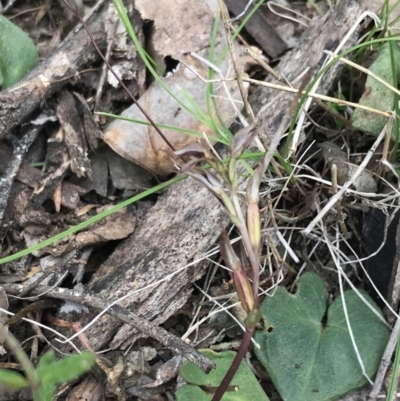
{"x":201,"y":387}
{"x":49,"y":372}
{"x":18,"y":54}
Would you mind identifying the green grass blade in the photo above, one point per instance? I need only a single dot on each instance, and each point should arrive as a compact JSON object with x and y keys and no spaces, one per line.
{"x":128,"y":26}
{"x":163,"y":126}
{"x":89,"y":221}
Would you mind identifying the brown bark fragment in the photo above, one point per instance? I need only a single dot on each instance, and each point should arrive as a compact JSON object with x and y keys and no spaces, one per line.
{"x":30,"y":176}
{"x":73,"y":134}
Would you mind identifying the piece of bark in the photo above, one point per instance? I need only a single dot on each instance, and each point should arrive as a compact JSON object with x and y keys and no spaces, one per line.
{"x":92,"y":132}
{"x":187,"y":219}
{"x":26,"y":214}
{"x":99,"y":180}
{"x":88,"y":390}
{"x":73,"y":54}
{"x":127,"y":175}
{"x":30,"y":176}
{"x":54,"y":170}
{"x":259,"y":28}
{"x":73,"y":137}
{"x":21,"y":146}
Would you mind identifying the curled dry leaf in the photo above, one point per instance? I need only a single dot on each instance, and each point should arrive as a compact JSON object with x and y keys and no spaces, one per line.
{"x":116,"y":226}
{"x":142,"y":145}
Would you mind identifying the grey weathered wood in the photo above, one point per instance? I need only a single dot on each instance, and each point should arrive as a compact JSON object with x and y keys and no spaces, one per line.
{"x":20,"y":148}
{"x":187,"y":220}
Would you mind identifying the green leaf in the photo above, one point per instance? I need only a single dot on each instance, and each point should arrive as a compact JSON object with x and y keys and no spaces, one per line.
{"x":201,"y":386}
{"x":18,"y":54}
{"x":46,"y":392}
{"x":310,"y":362}
{"x":377,"y":95}
{"x":46,"y":361}
{"x":10,"y":380}
{"x":52,"y":372}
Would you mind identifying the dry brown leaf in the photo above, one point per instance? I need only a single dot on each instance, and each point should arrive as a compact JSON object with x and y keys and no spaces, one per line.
{"x":116,"y":226}
{"x":89,"y":390}
{"x":141,"y":144}
{"x":34,"y":270}
{"x":181,"y":26}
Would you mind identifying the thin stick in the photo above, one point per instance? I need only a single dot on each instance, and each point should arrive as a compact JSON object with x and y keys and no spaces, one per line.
{"x":385,"y":362}
{"x":237,"y":18}
{"x":23,"y":359}
{"x":385,"y":152}
{"x":339,"y":201}
{"x":271,"y":3}
{"x":102,"y":80}
{"x":243,"y":93}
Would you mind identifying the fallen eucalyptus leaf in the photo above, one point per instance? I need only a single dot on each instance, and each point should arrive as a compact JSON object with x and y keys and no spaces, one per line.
{"x":310,"y":361}
{"x":142,"y":145}
{"x":18,"y":54}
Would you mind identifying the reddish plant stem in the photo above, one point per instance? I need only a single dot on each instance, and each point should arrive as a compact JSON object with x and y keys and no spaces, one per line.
{"x":255,"y":268}
{"x":244,"y":345}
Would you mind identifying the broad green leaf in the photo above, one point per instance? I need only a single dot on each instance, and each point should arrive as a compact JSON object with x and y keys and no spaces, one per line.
{"x":377,"y":95}
{"x":18,"y":54}
{"x":201,"y":386}
{"x":46,"y":392}
{"x":65,"y":369}
{"x":310,"y":361}
{"x":46,"y":361}
{"x":10,"y":380}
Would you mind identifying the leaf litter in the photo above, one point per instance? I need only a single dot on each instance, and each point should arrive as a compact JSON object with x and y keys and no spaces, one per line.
{"x":287,"y":207}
